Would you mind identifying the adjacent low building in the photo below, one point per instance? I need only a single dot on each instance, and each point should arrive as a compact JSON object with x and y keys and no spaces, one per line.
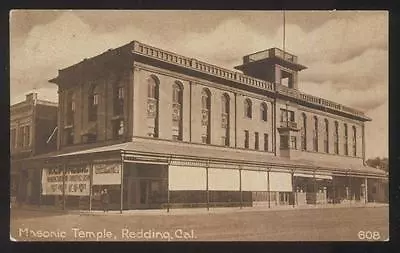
{"x":161,"y":130}
{"x":32,"y":123}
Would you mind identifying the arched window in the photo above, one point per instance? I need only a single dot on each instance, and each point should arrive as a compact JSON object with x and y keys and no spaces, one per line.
{"x":345,"y":140}
{"x":336,"y":138}
{"x":326,"y":136}
{"x":354,"y":141}
{"x":225,"y":103}
{"x":247,"y":108}
{"x":264,"y":112}
{"x":177,"y":98}
{"x":304,"y":132}
{"x":315,"y":134}
{"x":205,"y":113}
{"x":152,"y":106}
{"x":93,"y":100}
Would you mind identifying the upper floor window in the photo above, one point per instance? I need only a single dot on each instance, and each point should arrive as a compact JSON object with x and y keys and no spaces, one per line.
{"x":24,"y":136}
{"x":177,"y":97}
{"x":266,"y":142}
{"x":247,"y":108}
{"x":336,"y":138}
{"x":345,"y":140}
{"x":152,"y":87}
{"x":246,"y":139}
{"x":284,"y":141}
{"x":152,"y":105}
{"x":206,"y":112}
{"x":119,"y":94}
{"x":354,"y":141}
{"x":264,"y":112}
{"x":293,"y":142}
{"x":326,"y":137}
{"x":93,"y":102}
{"x":70,"y":108}
{"x":315,"y":134}
{"x":20,"y":138}
{"x":286,"y":78}
{"x":118,"y":128}
{"x":256,"y":141}
{"x":287,"y":115}
{"x":303,"y":132}
{"x":69,"y":136}
{"x":225,"y":104}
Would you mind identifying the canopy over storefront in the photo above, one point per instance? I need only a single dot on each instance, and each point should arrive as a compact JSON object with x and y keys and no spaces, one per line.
{"x":168,"y":150}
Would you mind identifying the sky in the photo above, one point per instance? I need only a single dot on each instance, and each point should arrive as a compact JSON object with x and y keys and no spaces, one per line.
{"x":346,"y":52}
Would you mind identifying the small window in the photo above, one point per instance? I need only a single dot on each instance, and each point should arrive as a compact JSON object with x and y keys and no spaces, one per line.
{"x":20,"y":138}
{"x":246,"y":139}
{"x":293,"y":142}
{"x":354,"y":141}
{"x":266,"y":142}
{"x":284,"y":142}
{"x":256,"y":141}
{"x":336,"y":138}
{"x":264,"y":112}
{"x":286,"y":79}
{"x":345,"y":140}
{"x":93,"y":100}
{"x":69,"y":136}
{"x":118,"y":128}
{"x":247,"y":108}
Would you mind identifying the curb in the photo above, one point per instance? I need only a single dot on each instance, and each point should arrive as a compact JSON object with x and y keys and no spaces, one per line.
{"x":195,"y":211}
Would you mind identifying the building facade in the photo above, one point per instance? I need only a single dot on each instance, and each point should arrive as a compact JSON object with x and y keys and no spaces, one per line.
{"x":32,"y":122}
{"x":161,"y":130}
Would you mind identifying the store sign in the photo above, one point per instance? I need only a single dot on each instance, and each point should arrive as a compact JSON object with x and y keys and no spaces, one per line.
{"x":107,"y":174}
{"x":76,"y":181}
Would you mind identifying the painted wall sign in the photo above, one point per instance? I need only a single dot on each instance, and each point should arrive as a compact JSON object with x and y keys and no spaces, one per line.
{"x":77,"y":181}
{"x":107,"y":174}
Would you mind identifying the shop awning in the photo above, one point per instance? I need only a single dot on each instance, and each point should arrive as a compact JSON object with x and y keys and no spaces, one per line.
{"x":350,"y":169}
{"x":103,"y":149}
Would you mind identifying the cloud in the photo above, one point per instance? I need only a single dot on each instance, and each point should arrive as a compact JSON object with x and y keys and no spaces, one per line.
{"x":364,"y":71}
{"x":364,"y":100}
{"x":377,"y":132}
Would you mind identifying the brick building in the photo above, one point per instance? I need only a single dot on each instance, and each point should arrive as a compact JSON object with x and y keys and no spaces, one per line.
{"x":31,"y":124}
{"x":174,"y":131}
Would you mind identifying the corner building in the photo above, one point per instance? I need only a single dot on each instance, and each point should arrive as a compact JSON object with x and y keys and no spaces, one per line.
{"x":161,"y":130}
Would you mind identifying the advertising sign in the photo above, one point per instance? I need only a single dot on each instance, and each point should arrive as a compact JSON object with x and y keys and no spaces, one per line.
{"x":107,"y":174}
{"x":77,"y":181}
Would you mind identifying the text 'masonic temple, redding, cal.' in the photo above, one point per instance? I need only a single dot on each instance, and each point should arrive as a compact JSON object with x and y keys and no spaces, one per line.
{"x":161,"y":130}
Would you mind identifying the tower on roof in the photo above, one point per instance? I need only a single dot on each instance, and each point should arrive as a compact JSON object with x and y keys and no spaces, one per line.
{"x":272,"y":65}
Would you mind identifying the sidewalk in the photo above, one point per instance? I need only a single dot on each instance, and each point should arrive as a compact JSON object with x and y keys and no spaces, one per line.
{"x":194,"y":211}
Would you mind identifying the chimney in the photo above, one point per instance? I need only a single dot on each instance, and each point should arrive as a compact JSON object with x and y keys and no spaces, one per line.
{"x":31,"y":96}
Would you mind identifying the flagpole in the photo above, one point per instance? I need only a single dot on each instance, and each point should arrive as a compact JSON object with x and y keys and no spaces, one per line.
{"x":284,"y":30}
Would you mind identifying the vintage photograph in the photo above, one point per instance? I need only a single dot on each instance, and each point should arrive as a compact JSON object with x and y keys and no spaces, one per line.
{"x":189,"y":125}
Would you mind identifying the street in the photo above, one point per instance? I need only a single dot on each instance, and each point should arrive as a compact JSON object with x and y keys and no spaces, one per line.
{"x":327,"y":224}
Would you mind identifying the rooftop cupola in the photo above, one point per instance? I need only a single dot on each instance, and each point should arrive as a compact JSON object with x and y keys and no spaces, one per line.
{"x":272,"y":65}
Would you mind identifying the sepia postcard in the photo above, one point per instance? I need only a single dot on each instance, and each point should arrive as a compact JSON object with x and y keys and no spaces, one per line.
{"x":189,"y":125}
